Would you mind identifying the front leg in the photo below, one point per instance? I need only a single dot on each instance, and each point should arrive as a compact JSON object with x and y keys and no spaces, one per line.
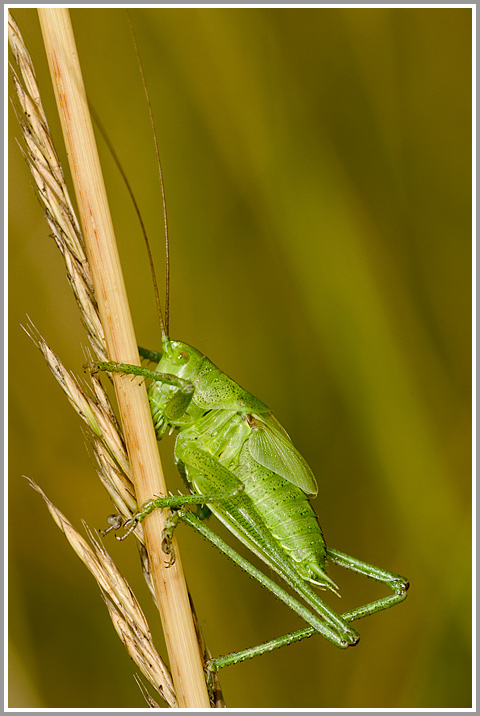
{"x":180,"y":400}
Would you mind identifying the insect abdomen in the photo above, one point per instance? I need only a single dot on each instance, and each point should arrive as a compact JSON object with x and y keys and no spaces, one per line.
{"x":287,"y":513}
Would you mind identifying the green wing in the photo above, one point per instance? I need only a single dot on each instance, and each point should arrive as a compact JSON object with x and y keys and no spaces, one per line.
{"x":270,"y":446}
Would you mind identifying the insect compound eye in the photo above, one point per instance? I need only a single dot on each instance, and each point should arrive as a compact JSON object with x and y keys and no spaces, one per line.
{"x":181,"y":357}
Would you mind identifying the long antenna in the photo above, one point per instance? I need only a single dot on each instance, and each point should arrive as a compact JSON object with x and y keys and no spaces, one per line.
{"x":160,"y":173}
{"x":103,"y":132}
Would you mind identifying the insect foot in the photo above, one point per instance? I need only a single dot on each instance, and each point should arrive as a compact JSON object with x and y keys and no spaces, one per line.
{"x":167,"y":534}
{"x":91,"y":368}
{"x":351,"y":639}
{"x":115,"y":522}
{"x":401,"y":586}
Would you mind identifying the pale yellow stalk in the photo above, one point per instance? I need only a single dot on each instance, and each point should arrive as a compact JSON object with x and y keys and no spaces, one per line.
{"x":172,"y":597}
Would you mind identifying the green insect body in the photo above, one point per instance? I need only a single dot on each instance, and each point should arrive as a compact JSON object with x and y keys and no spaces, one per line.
{"x":238,"y":460}
{"x":228,"y":439}
{"x":224,"y":422}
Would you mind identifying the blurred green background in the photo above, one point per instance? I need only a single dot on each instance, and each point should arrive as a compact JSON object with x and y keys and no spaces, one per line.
{"x":318,"y":177}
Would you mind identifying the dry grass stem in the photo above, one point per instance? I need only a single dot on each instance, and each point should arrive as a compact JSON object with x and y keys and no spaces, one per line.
{"x":170,"y":587}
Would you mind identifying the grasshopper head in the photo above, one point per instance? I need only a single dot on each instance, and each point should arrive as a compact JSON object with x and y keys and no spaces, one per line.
{"x":179,"y":359}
